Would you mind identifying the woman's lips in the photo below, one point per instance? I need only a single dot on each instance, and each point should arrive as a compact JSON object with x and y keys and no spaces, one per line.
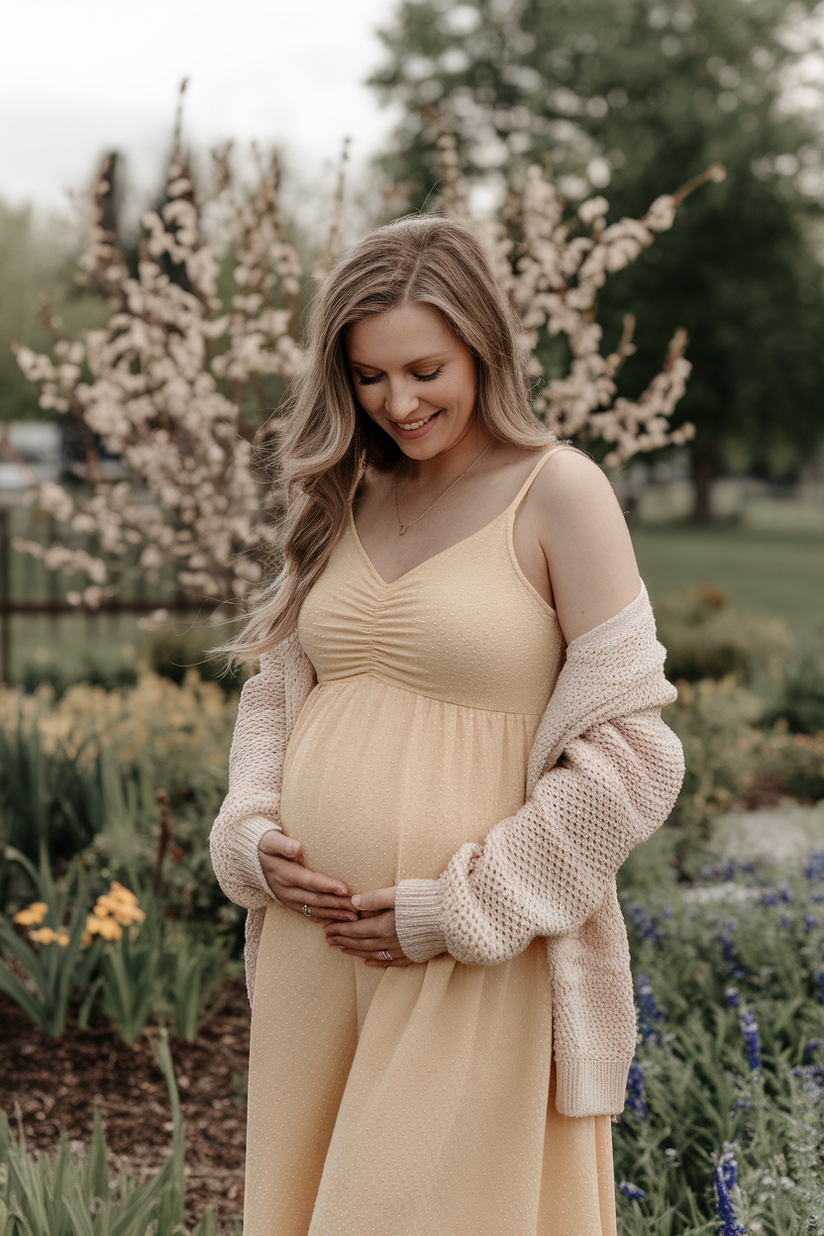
{"x":420,"y":431}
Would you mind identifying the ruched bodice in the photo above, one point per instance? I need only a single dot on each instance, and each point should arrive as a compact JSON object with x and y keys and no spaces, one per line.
{"x":413,"y":1102}
{"x":465,"y":626}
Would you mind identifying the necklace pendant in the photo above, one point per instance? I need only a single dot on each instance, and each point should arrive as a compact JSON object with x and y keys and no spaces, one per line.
{"x":402,"y":529}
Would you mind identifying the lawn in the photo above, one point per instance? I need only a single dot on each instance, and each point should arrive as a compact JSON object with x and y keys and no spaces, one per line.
{"x":773,"y":573}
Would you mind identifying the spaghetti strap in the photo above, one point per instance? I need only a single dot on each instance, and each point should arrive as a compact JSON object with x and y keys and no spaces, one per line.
{"x":522,"y":492}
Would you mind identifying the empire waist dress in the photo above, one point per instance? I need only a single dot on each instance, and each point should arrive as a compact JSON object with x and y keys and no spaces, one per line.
{"x":414,"y":1101}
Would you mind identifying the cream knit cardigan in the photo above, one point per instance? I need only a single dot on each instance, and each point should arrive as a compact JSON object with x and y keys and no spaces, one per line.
{"x":604,"y":772}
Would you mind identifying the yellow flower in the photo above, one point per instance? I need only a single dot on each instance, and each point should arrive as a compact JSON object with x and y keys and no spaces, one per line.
{"x":126,"y":914}
{"x":122,"y":894}
{"x":100,"y":925}
{"x":32,"y":915}
{"x":45,"y":935}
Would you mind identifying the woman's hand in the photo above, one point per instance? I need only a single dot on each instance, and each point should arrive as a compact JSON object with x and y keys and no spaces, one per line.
{"x":373,"y":937}
{"x":296,"y":886}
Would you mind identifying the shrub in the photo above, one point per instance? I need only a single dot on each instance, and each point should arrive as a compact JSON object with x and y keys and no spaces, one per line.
{"x":704,"y":638}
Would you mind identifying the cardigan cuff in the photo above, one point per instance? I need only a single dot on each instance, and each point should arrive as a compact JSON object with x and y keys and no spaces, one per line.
{"x":246,"y":858}
{"x":591,"y":1087}
{"x":419,"y":919}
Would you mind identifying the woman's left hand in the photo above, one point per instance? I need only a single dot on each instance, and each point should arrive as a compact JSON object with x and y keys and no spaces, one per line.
{"x":372,"y":937}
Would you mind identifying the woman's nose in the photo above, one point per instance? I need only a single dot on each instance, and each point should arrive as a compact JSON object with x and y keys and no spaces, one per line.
{"x":401,"y":401}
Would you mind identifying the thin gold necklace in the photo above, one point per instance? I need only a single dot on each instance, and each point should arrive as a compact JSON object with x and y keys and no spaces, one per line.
{"x":403,"y":528}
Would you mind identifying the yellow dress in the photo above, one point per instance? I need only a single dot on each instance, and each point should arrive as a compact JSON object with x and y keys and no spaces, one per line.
{"x":416,"y":1101}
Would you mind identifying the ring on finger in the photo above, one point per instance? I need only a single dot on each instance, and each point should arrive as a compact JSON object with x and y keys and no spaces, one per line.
{"x":386,"y":955}
{"x":307,"y":911}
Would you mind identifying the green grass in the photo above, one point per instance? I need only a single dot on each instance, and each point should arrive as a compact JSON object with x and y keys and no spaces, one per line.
{"x":773,"y":573}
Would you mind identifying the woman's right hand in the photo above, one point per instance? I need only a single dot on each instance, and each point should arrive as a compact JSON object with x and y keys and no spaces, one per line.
{"x":295,"y":886}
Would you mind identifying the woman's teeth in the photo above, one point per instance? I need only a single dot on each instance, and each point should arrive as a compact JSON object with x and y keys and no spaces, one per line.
{"x":417,"y":424}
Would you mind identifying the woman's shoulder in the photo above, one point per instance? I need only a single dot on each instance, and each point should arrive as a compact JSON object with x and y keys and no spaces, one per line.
{"x":569,"y":483}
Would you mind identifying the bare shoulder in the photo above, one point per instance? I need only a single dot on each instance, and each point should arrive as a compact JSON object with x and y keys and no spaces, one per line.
{"x":585,"y":540}
{"x":569,"y":482}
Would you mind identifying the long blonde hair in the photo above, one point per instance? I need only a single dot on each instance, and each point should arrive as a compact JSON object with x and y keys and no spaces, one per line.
{"x":326,"y":438}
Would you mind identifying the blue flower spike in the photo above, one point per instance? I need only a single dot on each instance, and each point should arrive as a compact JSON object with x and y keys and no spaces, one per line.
{"x":631,"y":1191}
{"x":635,"y":1091}
{"x":749,"y":1029}
{"x":726,"y":1178}
{"x":648,"y":1010}
{"x":732,"y":998}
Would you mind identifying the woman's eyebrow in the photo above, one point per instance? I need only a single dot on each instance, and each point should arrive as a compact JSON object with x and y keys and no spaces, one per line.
{"x":415,"y":364}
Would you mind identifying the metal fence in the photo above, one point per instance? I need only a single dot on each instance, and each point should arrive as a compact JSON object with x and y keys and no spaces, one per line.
{"x":28,"y":588}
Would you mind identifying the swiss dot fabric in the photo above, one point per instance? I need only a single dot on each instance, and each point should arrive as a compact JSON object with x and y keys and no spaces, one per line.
{"x":418,"y":1101}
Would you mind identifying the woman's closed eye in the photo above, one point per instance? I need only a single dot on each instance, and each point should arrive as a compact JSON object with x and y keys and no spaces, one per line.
{"x":364,"y":380}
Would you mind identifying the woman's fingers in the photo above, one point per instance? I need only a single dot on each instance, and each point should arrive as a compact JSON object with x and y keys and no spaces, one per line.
{"x":376,"y":899}
{"x":274,"y":842}
{"x":376,"y":928}
{"x":298,"y":887}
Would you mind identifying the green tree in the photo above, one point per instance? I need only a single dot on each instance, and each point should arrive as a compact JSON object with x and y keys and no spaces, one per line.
{"x":36,"y":258}
{"x":640,"y":95}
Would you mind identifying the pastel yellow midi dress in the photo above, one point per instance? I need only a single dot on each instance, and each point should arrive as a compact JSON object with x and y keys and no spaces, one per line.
{"x":416,"y":1101}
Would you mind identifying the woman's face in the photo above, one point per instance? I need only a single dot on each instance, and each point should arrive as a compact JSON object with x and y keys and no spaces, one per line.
{"x":414,"y":378}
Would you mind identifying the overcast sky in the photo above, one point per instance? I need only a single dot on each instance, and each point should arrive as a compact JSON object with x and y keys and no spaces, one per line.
{"x":80,"y":77}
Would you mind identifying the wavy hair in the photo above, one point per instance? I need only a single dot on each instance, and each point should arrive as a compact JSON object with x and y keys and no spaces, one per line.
{"x":325,"y":438}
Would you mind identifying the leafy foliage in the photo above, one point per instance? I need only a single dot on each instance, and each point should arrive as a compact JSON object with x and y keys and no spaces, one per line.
{"x":723,"y":964}
{"x":74,"y":1196}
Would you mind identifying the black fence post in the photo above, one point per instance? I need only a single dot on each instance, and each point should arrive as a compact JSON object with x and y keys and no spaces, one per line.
{"x":5,"y":599}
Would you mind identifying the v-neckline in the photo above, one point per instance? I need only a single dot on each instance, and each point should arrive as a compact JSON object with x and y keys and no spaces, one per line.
{"x":390,"y":583}
{"x":522,"y":492}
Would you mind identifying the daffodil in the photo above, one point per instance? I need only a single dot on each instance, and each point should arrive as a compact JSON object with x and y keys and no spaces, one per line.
{"x":46,"y":935}
{"x":122,"y":894}
{"x":32,"y":916}
{"x":103,"y":926}
{"x":126,"y":914}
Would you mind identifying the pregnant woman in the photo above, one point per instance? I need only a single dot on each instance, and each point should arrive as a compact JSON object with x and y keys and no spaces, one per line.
{"x":453,"y":742}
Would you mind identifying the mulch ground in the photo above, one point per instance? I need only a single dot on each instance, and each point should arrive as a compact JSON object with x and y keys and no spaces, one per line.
{"x":50,"y":1087}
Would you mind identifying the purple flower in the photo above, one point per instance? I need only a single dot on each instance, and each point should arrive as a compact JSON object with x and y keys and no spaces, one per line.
{"x":749,"y":1029}
{"x":643,"y":923}
{"x":810,"y":923}
{"x":726,"y":1175}
{"x":784,"y":921}
{"x":784,"y":892}
{"x":821,"y":984}
{"x":814,"y":866}
{"x":635,"y":1091}
{"x":732,"y":998}
{"x":648,"y":1010}
{"x":728,"y":949}
{"x":745,"y":1103}
{"x":769,"y":899}
{"x":631,"y":1191}
{"x":811,"y":1046}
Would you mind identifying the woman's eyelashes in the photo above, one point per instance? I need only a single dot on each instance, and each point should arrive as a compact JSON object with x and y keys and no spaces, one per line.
{"x":363,"y":380}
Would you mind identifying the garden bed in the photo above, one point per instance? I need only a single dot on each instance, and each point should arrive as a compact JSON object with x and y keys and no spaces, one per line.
{"x":52,"y":1086}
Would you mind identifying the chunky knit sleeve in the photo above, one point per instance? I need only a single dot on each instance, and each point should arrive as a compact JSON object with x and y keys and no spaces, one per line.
{"x":546,"y":870}
{"x":251,"y":807}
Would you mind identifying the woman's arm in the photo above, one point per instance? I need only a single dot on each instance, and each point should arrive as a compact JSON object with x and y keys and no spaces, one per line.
{"x":253,"y":861}
{"x":252,"y":805}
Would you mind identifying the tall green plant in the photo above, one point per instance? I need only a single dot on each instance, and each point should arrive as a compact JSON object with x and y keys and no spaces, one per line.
{"x":72,"y":1195}
{"x":58,"y":964}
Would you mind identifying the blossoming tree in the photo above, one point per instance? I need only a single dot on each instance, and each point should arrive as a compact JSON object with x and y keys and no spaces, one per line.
{"x":167,"y":385}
